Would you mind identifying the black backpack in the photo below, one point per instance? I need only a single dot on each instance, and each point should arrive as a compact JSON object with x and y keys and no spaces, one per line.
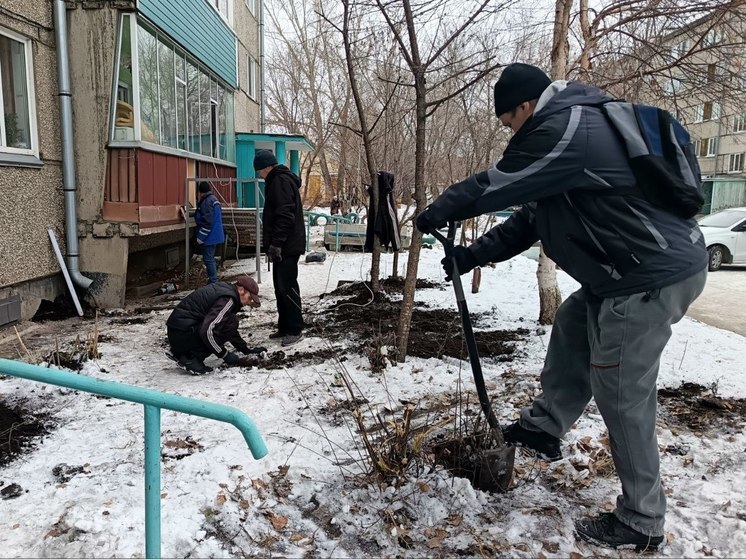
{"x":661,"y":155}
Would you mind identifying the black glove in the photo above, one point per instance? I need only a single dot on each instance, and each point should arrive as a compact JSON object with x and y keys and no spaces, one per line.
{"x":425,"y":223}
{"x":465,"y":260}
{"x":255,"y":350}
{"x":274,"y":253}
{"x":231,"y":359}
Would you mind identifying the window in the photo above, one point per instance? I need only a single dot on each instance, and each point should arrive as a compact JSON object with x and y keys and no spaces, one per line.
{"x":739,"y":123}
{"x":18,"y":122}
{"x":672,"y":86}
{"x":699,"y":112}
{"x":681,"y":49}
{"x":180,"y":105}
{"x":251,"y":77}
{"x":224,"y":8}
{"x":710,"y":111}
{"x":735,"y":163}
{"x":714,"y":36}
{"x":251,"y":5}
{"x":712,"y":146}
{"x":715,"y":72}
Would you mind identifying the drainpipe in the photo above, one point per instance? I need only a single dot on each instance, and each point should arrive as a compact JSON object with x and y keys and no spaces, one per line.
{"x":68,"y":160}
{"x":263,"y":121}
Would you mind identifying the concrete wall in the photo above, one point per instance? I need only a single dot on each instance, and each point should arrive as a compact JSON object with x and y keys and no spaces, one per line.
{"x":32,"y":199}
{"x":246,"y":27}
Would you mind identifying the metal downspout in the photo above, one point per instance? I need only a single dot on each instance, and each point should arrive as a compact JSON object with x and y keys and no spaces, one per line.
{"x":263,"y":121}
{"x":69,"y":186}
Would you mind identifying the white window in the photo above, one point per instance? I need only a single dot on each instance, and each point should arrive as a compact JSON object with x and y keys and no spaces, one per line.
{"x":735,"y":163}
{"x":251,"y":76}
{"x":672,"y":86}
{"x":699,"y":112}
{"x":739,"y":123}
{"x":714,"y":36}
{"x":709,"y":111}
{"x":224,"y":8}
{"x":712,"y":146}
{"x":18,"y":122}
{"x":251,"y":5}
{"x":679,"y":50}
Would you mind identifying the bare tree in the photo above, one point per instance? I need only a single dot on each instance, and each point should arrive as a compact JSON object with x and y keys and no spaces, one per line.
{"x":429,"y":22}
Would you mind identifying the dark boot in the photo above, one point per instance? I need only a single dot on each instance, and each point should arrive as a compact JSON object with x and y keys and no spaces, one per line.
{"x":277,"y":335}
{"x":545,"y":445}
{"x":291,"y":339}
{"x":193,"y":365}
{"x":607,"y":530}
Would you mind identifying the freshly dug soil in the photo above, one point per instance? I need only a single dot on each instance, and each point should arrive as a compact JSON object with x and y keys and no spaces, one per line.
{"x":18,"y":429}
{"x":697,"y":408}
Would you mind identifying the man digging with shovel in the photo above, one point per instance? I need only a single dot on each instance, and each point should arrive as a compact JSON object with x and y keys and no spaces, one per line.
{"x":640,"y":266}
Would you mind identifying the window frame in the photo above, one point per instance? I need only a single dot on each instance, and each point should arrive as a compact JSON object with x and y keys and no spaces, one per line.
{"x":739,"y":123}
{"x":252,"y":67}
{"x":712,"y":146}
{"x":735,"y":157}
{"x":249,"y":4}
{"x":31,"y":99}
{"x":177,"y":53}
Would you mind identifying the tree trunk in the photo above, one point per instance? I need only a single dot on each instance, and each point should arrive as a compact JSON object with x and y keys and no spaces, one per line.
{"x":550,"y":296}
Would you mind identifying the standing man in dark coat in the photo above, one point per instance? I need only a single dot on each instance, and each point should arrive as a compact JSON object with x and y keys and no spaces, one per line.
{"x":206,"y":319}
{"x":284,"y":238}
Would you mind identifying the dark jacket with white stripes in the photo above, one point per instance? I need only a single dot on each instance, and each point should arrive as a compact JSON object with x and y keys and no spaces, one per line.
{"x":563,"y":167}
{"x":210,"y":312}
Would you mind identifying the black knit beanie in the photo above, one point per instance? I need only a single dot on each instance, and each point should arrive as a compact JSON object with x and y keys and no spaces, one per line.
{"x":204,"y":186}
{"x":264,"y":158}
{"x":519,"y":83}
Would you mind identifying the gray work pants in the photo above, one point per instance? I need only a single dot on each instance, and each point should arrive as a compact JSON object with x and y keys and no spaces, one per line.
{"x":610,"y":349}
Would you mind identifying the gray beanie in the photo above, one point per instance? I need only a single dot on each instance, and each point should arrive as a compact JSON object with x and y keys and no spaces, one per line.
{"x":517,"y":84}
{"x":264,"y":158}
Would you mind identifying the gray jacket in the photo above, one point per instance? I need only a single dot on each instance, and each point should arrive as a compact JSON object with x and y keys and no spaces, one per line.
{"x":564,"y":167}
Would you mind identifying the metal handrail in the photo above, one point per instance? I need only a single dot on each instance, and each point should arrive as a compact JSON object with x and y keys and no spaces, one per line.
{"x":153,"y":401}
{"x":314,"y":216}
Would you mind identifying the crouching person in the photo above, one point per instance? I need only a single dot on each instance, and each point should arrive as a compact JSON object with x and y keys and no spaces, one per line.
{"x":205,"y":320}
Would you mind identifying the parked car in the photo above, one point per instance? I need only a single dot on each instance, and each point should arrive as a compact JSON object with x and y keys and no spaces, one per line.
{"x":725,"y":237}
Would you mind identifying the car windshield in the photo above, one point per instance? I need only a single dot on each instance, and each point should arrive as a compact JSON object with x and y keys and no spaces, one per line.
{"x":726,"y":218}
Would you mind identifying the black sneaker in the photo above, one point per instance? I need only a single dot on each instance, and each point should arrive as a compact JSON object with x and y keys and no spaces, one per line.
{"x":291,"y":339}
{"x":607,"y":530}
{"x":545,"y":445}
{"x":277,"y":335}
{"x":193,"y":365}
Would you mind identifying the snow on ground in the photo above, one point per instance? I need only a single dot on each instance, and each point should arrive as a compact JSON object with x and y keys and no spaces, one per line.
{"x":304,"y":499}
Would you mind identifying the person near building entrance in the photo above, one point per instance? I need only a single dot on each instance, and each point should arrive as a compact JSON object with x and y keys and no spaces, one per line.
{"x":284,"y":239}
{"x":639,"y":265}
{"x":205,"y":320}
{"x":210,"y":233}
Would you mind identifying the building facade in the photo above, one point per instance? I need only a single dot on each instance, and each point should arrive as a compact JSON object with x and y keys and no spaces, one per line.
{"x":158,"y":91}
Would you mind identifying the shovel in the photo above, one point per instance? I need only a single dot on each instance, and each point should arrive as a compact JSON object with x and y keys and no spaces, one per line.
{"x":496,"y":468}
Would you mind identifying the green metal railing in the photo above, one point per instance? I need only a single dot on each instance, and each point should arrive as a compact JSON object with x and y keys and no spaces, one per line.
{"x":312,"y":218}
{"x":153,"y":401}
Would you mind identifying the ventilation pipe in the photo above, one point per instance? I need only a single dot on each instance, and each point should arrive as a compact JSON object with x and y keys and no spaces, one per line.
{"x":68,"y":160}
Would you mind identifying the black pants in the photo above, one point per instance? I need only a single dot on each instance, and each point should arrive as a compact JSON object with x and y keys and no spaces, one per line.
{"x":187,"y":343}
{"x":287,"y":292}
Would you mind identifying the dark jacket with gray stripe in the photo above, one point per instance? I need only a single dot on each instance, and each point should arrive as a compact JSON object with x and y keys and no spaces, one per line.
{"x":563,"y":166}
{"x":210,"y":312}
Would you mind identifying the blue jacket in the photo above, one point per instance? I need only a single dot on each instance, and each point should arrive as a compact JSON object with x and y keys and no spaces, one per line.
{"x":209,"y":220}
{"x":564,"y":166}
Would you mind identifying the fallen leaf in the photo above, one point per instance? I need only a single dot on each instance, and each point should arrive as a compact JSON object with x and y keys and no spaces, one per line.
{"x":296,"y":537}
{"x":16,"y":526}
{"x":522,"y":546}
{"x":669,"y":537}
{"x":434,"y":542}
{"x":221,"y":499}
{"x":576,"y":555}
{"x":164,"y":495}
{"x":243,"y":503}
{"x":424,"y":487}
{"x":278,"y":522}
{"x":454,"y":520}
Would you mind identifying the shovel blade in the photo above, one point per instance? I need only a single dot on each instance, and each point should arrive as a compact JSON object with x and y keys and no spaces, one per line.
{"x":496,"y":469}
